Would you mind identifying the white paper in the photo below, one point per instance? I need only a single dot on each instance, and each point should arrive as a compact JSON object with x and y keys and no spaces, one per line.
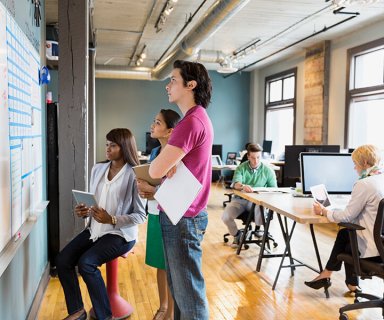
{"x":176,"y":194}
{"x":270,"y":190}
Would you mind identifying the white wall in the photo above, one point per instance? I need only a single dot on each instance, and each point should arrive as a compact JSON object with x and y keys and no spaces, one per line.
{"x":337,"y":88}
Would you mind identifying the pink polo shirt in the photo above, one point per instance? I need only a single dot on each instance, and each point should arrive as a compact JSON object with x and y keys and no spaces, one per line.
{"x":194,"y":134}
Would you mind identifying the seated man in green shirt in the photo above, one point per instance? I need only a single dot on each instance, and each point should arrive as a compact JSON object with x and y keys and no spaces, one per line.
{"x":250,"y":174}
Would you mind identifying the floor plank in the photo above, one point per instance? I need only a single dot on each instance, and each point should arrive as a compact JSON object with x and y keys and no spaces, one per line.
{"x":235,"y":291}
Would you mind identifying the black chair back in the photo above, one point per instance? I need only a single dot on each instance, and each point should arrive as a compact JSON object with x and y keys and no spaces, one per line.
{"x":378,"y":230}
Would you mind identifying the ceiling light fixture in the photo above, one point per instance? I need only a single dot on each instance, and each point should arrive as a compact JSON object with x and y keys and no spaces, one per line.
{"x":243,"y":52}
{"x":226,"y":67}
{"x":165,"y":12}
{"x":141,"y":56}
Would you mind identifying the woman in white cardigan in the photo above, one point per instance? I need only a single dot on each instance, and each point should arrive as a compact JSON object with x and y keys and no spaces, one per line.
{"x":112,"y":229}
{"x":362,"y":210}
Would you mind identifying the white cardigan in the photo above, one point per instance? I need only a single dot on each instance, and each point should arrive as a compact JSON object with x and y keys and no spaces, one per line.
{"x":362,"y":210}
{"x":130,"y":210}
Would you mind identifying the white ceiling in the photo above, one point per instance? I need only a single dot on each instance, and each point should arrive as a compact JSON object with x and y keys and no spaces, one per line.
{"x":123,"y":27}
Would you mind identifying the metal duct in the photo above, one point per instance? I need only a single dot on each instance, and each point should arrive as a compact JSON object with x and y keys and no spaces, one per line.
{"x":216,"y":16}
{"x":140,"y":73}
{"x":211,"y":56}
{"x":119,"y":72}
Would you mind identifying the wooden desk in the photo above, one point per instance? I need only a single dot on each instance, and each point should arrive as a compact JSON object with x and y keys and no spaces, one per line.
{"x":224,"y":167}
{"x":299,"y":210}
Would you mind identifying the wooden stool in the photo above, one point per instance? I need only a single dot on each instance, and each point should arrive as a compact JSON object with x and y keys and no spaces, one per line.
{"x":121,"y":308}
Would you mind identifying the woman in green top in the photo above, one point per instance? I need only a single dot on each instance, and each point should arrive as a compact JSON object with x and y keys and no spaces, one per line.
{"x":161,"y":129}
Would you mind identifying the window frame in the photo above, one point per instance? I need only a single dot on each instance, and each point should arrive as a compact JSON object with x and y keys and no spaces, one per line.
{"x":281,"y":104}
{"x":350,"y":94}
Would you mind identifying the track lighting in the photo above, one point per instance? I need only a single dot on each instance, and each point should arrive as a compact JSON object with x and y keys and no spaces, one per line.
{"x":247,"y":50}
{"x":141,"y":56}
{"x":165,"y":12}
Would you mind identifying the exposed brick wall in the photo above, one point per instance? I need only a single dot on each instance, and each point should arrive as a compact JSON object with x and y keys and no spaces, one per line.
{"x":316,"y":84}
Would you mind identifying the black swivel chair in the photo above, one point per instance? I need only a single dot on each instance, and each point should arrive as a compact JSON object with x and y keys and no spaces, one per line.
{"x":365,"y":268}
{"x":252,"y":234}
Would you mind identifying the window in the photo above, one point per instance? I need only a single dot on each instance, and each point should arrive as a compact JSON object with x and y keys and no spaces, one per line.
{"x":280,"y":105}
{"x":365,"y":95}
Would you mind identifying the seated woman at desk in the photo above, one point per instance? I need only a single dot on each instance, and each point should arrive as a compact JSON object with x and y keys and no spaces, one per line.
{"x":361,"y":209}
{"x":112,"y":229}
{"x":250,"y":174}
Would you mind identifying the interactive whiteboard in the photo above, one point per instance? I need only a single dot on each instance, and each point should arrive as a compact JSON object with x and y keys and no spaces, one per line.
{"x":20,"y":128}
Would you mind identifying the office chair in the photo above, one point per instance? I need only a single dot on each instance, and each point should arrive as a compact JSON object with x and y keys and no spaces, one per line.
{"x":229,"y":195}
{"x":365,"y":268}
{"x":252,"y":235}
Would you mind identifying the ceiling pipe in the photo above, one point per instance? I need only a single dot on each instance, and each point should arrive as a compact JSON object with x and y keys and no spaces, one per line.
{"x":216,"y":16}
{"x":119,"y":72}
{"x":211,"y":56}
{"x":140,"y":73}
{"x":191,"y":17}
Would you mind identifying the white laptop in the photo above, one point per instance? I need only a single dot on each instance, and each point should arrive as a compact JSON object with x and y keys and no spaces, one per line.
{"x":216,"y":161}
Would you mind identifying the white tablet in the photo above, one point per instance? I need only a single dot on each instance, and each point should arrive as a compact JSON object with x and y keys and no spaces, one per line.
{"x":319,"y":192}
{"x":85,"y":197}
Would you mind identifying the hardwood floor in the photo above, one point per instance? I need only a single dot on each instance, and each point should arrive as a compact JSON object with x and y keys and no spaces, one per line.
{"x":234,"y":289}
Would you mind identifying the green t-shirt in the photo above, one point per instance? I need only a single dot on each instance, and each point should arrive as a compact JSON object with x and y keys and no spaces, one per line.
{"x":264,"y":176}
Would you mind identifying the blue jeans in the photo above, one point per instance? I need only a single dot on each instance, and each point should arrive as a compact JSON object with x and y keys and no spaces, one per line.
{"x":183,"y":261}
{"x":88,"y":256}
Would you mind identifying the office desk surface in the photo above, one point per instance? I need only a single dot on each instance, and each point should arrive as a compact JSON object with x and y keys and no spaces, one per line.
{"x":297,"y":209}
{"x":234,"y":166}
{"x":224,"y":167}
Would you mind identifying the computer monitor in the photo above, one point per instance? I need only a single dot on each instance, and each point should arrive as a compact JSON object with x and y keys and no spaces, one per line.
{"x":231,"y":158}
{"x":291,"y":171}
{"x":267,"y":146}
{"x":334,"y":170}
{"x":150,"y":143}
{"x":216,"y":160}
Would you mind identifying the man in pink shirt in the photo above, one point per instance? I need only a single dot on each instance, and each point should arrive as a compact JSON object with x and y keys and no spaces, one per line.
{"x":191,"y":142}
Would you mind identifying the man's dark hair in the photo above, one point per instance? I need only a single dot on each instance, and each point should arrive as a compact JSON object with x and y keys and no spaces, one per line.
{"x":254,"y":147}
{"x":196,"y":71}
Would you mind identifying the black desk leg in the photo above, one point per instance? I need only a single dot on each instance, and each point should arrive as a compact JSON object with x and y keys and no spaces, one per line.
{"x":317,"y":254}
{"x":244,"y":235}
{"x":265,"y":236}
{"x":292,"y":263}
{"x":287,"y":238}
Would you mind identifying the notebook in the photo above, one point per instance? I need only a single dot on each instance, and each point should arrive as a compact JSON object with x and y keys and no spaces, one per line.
{"x":142,"y":172}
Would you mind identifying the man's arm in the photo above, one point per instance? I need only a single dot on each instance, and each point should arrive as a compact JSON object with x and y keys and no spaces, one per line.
{"x":237,"y":180}
{"x":166,"y":160}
